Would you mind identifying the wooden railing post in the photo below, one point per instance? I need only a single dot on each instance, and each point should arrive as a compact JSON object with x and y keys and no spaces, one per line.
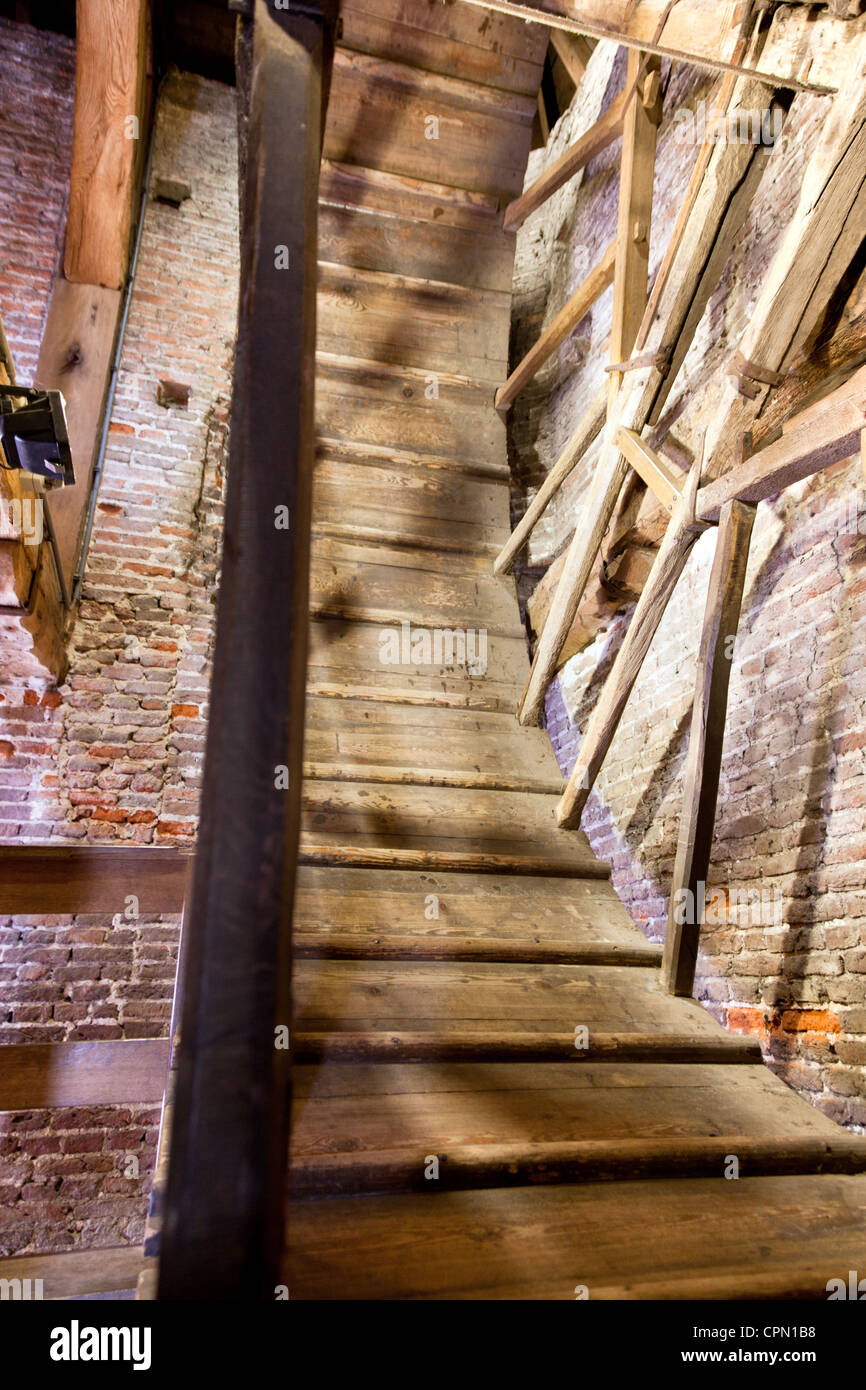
{"x":224,"y":1214}
{"x":703,"y":766}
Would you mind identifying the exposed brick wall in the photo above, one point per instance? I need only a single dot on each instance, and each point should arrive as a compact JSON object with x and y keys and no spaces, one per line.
{"x":791,"y":822}
{"x":75,"y":1177}
{"x":115,"y":755}
{"x":35,"y":156}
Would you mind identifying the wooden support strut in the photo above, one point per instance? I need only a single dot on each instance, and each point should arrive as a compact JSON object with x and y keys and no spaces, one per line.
{"x":670,"y":562}
{"x":223,"y":1230}
{"x":717,"y":206}
{"x":703,"y":767}
{"x":596,"y":282}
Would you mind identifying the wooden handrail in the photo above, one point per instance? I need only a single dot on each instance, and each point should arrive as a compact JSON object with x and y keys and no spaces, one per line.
{"x":91,"y":878}
{"x":224,"y":1202}
{"x":592,"y":143}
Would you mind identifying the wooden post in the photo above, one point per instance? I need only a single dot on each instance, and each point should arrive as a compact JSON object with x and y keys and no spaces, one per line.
{"x":634,"y":218}
{"x":224,"y":1218}
{"x":669,"y":565}
{"x":721,"y":617}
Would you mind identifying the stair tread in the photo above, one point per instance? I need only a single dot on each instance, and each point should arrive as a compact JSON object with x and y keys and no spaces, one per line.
{"x":541,"y":1242}
{"x":428,"y":826}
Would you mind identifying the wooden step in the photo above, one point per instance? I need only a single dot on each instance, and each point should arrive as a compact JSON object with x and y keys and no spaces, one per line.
{"x":416,"y":507}
{"x":484,"y":907}
{"x":385,"y":413}
{"x":440,"y":828}
{"x":419,"y":996}
{"x":466,"y":1167}
{"x":73,"y":1274}
{"x":543,"y":1243}
{"x":358,"y":740}
{"x":432,"y":590}
{"x":492,"y":49}
{"x":403,"y":1110}
{"x":488,"y":1042}
{"x":375,"y":221}
{"x":434,"y":326}
{"x":344,"y":661}
{"x":378,"y":117}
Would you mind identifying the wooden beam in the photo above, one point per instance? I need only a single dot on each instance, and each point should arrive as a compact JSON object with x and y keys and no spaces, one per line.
{"x":634,"y":217}
{"x":703,"y":766}
{"x":825,"y":433}
{"x":565,"y":322}
{"x":657,"y":473}
{"x":224,"y":1202}
{"x":75,"y":358}
{"x":695,"y":31}
{"x":69,"y":879}
{"x":36,"y":1076}
{"x":670,"y":562}
{"x":603,"y":133}
{"x":110,"y":86}
{"x":574,"y":52}
{"x":587,"y":431}
{"x":717,"y":213}
{"x":821,"y":238}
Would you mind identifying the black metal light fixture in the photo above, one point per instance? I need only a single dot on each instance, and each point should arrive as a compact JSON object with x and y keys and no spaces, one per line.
{"x":33,"y":434}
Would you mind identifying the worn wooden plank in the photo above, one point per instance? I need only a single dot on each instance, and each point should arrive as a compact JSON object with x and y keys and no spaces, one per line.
{"x":374,"y":902}
{"x":74,"y":1274}
{"x":453,"y":950}
{"x":419,"y":996}
{"x":820,"y":435}
{"x":468,"y":1167}
{"x":358,"y":740}
{"x":382,"y":411}
{"x":380,"y":119}
{"x":703,"y":767}
{"x":37,"y":1076}
{"x":410,"y":322}
{"x":93,"y":878}
{"x":597,"y":281}
{"x":434,"y":591}
{"x":345,"y":660}
{"x":539,"y":1243}
{"x":440,"y":827}
{"x":496,"y":52}
{"x":109,"y":93}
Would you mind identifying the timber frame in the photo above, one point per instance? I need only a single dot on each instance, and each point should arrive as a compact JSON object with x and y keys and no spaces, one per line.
{"x":649,"y":341}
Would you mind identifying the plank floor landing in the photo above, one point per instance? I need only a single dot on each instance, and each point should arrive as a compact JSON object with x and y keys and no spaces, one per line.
{"x":449,"y":1139}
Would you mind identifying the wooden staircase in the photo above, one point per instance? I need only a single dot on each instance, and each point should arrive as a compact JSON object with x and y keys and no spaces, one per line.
{"x":494,"y":1097}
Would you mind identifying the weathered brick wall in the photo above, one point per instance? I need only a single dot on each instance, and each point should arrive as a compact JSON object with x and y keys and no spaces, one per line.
{"x":115,"y":755}
{"x":791,"y":822}
{"x":35,"y":155}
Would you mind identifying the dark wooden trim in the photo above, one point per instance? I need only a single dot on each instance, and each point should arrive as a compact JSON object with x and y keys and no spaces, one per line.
{"x":468,"y":1166}
{"x":524,"y":1047}
{"x":36,"y":1076}
{"x":223,"y":1228}
{"x":67,"y":879}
